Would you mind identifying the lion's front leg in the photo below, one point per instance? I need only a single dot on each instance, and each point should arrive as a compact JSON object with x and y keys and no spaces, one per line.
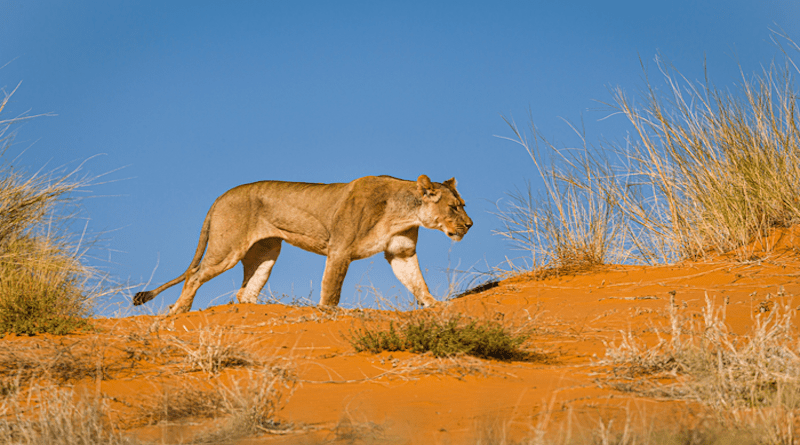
{"x":401,"y":254}
{"x":406,"y":269}
{"x":335,"y":269}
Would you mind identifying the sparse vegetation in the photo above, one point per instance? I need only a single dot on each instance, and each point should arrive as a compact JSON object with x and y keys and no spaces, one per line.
{"x":713,"y":366}
{"x":67,"y":361}
{"x":448,"y":337}
{"x":58,"y":416}
{"x":60,"y":362}
{"x":45,"y":286}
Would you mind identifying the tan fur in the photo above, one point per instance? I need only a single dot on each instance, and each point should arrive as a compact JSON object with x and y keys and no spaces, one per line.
{"x":344,"y":222}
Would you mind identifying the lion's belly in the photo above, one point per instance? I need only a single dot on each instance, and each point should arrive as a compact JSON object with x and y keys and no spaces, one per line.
{"x":296,"y":227}
{"x":367,"y":247}
{"x":306,"y":243}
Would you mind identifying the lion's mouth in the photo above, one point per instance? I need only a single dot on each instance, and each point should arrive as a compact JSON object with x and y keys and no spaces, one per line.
{"x":457,"y":236}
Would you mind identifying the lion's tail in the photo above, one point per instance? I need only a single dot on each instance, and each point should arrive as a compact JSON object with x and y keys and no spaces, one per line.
{"x":144,"y":297}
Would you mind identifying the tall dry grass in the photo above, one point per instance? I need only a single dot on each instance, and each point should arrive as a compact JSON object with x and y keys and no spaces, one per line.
{"x":704,"y":171}
{"x":573,"y":224}
{"x":45,"y":284}
{"x":712,"y":170}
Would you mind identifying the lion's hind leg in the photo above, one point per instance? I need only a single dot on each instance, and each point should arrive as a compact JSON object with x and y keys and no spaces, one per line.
{"x":207,"y":270}
{"x":332,"y":278}
{"x":258,"y":263}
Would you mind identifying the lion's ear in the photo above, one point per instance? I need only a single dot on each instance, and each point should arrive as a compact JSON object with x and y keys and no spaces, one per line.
{"x":424,"y":185}
{"x":450,"y":183}
{"x":425,"y":188}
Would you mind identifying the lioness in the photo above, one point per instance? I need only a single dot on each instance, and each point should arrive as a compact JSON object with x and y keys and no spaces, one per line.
{"x":344,"y":222}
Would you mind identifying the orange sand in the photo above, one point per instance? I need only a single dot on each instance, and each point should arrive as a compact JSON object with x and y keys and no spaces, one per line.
{"x":408,"y":398}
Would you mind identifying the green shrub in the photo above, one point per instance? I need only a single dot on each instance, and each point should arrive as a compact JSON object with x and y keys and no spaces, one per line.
{"x":377,"y":341}
{"x":443,"y":338}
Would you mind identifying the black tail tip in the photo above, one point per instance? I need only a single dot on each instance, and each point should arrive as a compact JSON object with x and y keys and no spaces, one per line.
{"x":142,"y":297}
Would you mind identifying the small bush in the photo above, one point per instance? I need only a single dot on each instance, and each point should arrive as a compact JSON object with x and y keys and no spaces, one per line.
{"x":39,"y":292}
{"x":443,"y":338}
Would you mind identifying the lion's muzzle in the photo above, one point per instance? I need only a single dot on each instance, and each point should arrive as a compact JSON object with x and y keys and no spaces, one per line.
{"x":461,"y":230}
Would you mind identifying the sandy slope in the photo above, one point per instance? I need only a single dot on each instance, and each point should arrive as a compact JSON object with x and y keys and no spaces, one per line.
{"x":345,"y":397}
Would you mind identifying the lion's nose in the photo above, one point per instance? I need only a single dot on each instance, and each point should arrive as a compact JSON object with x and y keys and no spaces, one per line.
{"x":469,"y":223}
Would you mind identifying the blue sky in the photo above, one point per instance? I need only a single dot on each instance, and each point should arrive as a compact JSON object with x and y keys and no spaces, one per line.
{"x":193,"y":98}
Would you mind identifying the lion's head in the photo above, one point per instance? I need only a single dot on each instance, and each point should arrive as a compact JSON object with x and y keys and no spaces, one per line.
{"x":442,"y":208}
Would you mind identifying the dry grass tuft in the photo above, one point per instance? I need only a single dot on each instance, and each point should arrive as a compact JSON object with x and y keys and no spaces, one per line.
{"x":40,"y":288}
{"x":213,"y":351}
{"x":712,"y":170}
{"x":196,"y":399}
{"x":573,"y":227}
{"x":252,"y":404}
{"x":59,"y":417}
